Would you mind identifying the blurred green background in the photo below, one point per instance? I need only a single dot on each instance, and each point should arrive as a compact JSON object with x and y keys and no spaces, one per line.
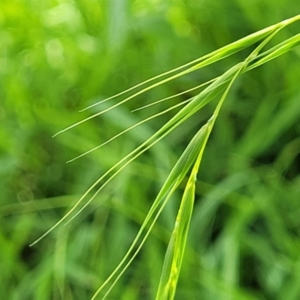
{"x":57,"y":57}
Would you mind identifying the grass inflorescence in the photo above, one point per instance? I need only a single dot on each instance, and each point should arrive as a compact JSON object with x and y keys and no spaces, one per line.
{"x":217,"y":88}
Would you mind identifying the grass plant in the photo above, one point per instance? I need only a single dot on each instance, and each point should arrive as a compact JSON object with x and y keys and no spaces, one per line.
{"x":198,"y":196}
{"x":192,"y":156}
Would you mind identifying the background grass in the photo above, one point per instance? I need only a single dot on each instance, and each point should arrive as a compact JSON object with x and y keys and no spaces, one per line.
{"x":57,"y":57}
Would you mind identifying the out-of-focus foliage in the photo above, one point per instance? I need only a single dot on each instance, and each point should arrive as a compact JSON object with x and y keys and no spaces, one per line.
{"x":57,"y":57}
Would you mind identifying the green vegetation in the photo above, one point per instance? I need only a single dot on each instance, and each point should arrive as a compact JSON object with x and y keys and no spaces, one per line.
{"x":139,"y":206}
